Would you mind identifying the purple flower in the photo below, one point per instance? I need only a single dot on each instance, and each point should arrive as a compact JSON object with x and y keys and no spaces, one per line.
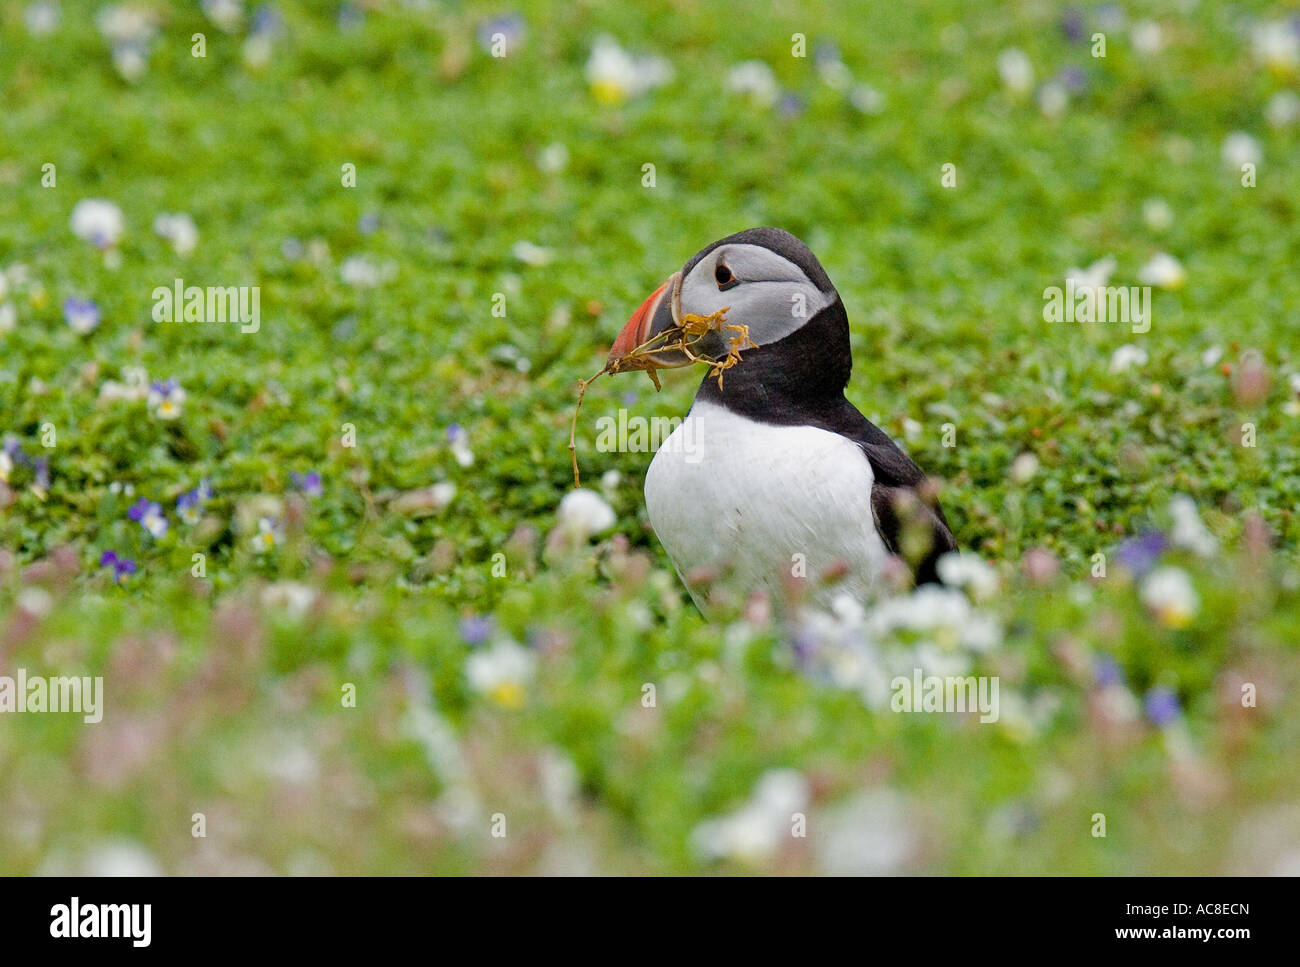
{"x":270,"y":534}
{"x":1107,"y":672}
{"x":188,"y":506}
{"x":350,"y":16}
{"x":791,"y":105}
{"x":42,"y":480}
{"x":165,"y":399}
{"x":368,"y":223}
{"x":81,"y":315}
{"x":805,"y":645}
{"x":122,"y":567}
{"x":1162,"y":706}
{"x":1072,"y":25}
{"x":149,"y":515}
{"x":475,"y":629}
{"x":1073,"y":79}
{"x":309,"y":483}
{"x":510,"y":27}
{"x":826,"y":53}
{"x":1140,"y":554}
{"x":267,"y":20}
{"x":459,"y":442}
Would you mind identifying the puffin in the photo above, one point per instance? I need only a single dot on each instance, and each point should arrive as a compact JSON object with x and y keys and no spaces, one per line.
{"x":774,"y":482}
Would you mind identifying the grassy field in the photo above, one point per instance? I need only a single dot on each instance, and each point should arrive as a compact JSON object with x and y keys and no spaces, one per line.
{"x":361,"y":643}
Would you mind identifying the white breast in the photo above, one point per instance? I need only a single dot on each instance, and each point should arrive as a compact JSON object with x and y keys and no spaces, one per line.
{"x":759,"y":506}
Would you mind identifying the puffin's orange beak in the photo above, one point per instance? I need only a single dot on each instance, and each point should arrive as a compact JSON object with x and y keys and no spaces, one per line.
{"x":651,"y":318}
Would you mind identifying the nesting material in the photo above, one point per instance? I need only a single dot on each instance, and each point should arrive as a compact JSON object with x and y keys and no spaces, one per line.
{"x":680,"y":339}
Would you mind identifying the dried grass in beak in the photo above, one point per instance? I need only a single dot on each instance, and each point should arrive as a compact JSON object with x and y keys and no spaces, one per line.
{"x":682,"y":339}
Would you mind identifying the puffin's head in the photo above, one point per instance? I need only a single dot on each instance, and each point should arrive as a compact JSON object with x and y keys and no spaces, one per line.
{"x":765,"y":278}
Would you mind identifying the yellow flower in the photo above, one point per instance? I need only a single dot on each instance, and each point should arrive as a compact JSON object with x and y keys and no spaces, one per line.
{"x":502,"y":672}
{"x":608,"y":92}
{"x":509,"y":694}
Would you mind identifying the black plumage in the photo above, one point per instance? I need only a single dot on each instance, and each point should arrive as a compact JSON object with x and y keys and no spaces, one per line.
{"x":800,"y":380}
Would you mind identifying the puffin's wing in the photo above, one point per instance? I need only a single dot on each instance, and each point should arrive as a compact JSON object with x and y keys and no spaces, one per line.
{"x":899,"y":513}
{"x":909,"y":524}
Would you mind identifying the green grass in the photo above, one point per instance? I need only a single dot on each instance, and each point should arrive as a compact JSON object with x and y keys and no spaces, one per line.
{"x":221,"y":704}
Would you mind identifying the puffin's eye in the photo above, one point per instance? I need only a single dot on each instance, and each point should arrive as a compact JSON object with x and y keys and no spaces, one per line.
{"x":724,"y":277}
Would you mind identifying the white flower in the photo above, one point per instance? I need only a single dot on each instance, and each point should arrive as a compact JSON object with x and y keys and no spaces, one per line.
{"x":293,"y":596}
{"x":834,"y":73}
{"x":165,"y":399}
{"x":1240,"y":149}
{"x":1126,"y":357}
{"x":130,"y":30}
{"x":130,"y":61}
{"x":226,"y":14}
{"x":583,"y":513}
{"x":872,"y":833}
{"x":1276,"y":45}
{"x":154,"y":522}
{"x":866,"y":99}
{"x":8,"y":317}
{"x":1024,"y":467}
{"x":968,"y":571}
{"x":1168,"y":593}
{"x":1211,"y":356}
{"x":1053,"y":99}
{"x":135,"y":386}
{"x":98,"y":222}
{"x":616,"y":75}
{"x":942,"y":662}
{"x":610,"y":480}
{"x":257,"y":49}
{"x":359,"y":270}
{"x":1283,"y":109}
{"x":36,"y":601}
{"x":268,"y":535}
{"x":1016,"y":71}
{"x":458,"y":440}
{"x":442,"y":493}
{"x":6,"y":466}
{"x":531,"y":254}
{"x":102,"y":858}
{"x":124,"y":23}
{"x":502,"y":672}
{"x":1163,"y":271}
{"x":753,"y":833}
{"x":1157,"y":214}
{"x":755,"y":80}
{"x":1094,"y":276}
{"x":1148,"y":37}
{"x":81,"y":315}
{"x":41,"y":18}
{"x":1188,"y":531}
{"x":425,"y":500}
{"x":178,"y":229}
{"x":554,"y":158}
{"x":943,"y":613}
